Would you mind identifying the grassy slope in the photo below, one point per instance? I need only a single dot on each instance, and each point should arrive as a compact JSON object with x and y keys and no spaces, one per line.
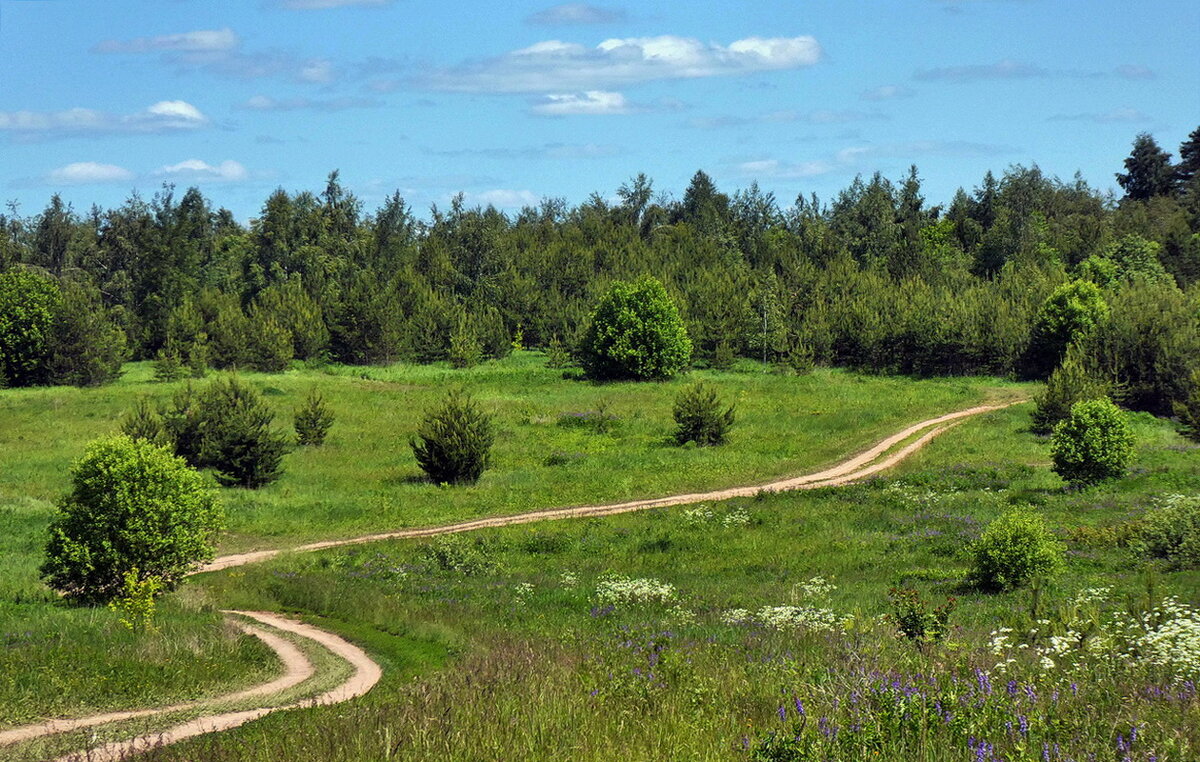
{"x":546,"y":675}
{"x":63,"y":660}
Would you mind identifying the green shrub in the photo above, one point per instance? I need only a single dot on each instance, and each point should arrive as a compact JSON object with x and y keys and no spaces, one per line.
{"x":699,"y":418}
{"x":1069,"y":314}
{"x":1073,"y":381}
{"x":454,"y":441}
{"x":270,"y":347}
{"x":1093,"y":445}
{"x":183,"y":425}
{"x":237,"y":438}
{"x":635,"y":333}
{"x":1188,"y":410}
{"x":145,"y":423}
{"x":465,"y":349}
{"x":168,"y":366}
{"x":465,"y":555}
{"x":915,"y":620}
{"x":133,"y":505}
{"x":557,"y":355}
{"x":313,"y":420}
{"x":135,"y":604}
{"x":1014,"y":550}
{"x":1171,"y":531}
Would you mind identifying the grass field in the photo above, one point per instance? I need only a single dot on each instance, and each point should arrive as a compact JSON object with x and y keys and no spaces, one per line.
{"x":552,"y":657}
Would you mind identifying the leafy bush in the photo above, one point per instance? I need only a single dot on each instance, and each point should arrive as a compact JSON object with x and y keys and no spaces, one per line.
{"x":455,"y":553}
{"x":133,"y":505}
{"x":1014,"y":550}
{"x":914,"y":619}
{"x":1171,"y":531}
{"x":237,"y":437}
{"x":135,"y":604}
{"x":1073,"y":381}
{"x":699,"y":418}
{"x":1093,"y":445}
{"x":313,"y":420}
{"x":454,"y":441}
{"x":635,"y":333}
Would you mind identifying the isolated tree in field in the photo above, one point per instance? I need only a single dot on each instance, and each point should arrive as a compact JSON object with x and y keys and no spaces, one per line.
{"x":1093,"y":444}
{"x":699,"y":417}
{"x":635,"y":333}
{"x":237,"y":438}
{"x":313,"y":420}
{"x":132,"y":505}
{"x":28,"y":305}
{"x":453,"y":444}
{"x":1069,"y":314}
{"x":1148,"y":170}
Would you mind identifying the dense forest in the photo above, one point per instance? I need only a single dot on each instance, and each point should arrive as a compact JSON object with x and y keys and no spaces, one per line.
{"x":1003,"y":279}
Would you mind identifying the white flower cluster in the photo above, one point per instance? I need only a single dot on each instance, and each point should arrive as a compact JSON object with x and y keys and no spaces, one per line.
{"x":568,"y":579}
{"x":697,"y":516}
{"x":735,"y":518}
{"x":522,"y":591}
{"x":817,"y":588}
{"x":1170,"y":637}
{"x":614,"y":590}
{"x":797,"y":618}
{"x":737,"y":616}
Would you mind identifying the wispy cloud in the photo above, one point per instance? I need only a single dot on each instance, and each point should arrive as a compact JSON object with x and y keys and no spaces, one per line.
{"x":887,"y":93}
{"x":164,"y":116}
{"x":1116,"y":116}
{"x":554,"y":66}
{"x":573,"y":14}
{"x":220,"y":52}
{"x":197,"y":171}
{"x":545,"y":151}
{"x":316,"y":5}
{"x":88,"y":173}
{"x":855,"y":158}
{"x":1005,"y":69}
{"x":200,"y":41}
{"x":267,"y":103}
{"x":818,"y":117}
{"x":502,"y":198}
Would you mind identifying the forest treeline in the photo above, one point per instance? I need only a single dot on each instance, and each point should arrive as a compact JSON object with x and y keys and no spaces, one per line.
{"x":1000,"y":280}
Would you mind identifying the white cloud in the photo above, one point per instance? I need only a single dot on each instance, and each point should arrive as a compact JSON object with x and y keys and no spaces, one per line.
{"x":164,"y":116}
{"x":887,"y":92}
{"x":311,"y":5}
{"x":818,"y":117}
{"x":1116,"y":116}
{"x":197,"y":171}
{"x":556,"y":66}
{"x":592,"y":102}
{"x":858,"y":158}
{"x":569,"y":14}
{"x":785,"y":170}
{"x":502,"y":198}
{"x":267,"y":103}
{"x":200,"y":41}
{"x":87,"y":173}
{"x":1006,"y":69}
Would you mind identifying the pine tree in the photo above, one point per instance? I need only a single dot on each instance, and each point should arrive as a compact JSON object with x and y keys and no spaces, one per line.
{"x":1148,"y":171}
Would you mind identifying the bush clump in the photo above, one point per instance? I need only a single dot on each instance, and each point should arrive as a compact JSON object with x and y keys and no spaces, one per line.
{"x":1188,"y":410}
{"x":1014,"y":550}
{"x":699,"y":417}
{"x":1094,"y":444}
{"x":635,"y":333}
{"x":1171,"y":531}
{"x":453,"y":444}
{"x":133,"y":505}
{"x":313,"y":420}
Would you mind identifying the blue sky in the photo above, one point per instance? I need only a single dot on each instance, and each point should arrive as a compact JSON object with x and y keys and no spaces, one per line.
{"x":512,"y":102}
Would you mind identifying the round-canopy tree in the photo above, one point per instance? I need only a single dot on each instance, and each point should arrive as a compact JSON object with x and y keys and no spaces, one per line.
{"x":1093,"y":444}
{"x":1067,"y":316}
{"x":635,"y":333}
{"x":132,"y":505}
